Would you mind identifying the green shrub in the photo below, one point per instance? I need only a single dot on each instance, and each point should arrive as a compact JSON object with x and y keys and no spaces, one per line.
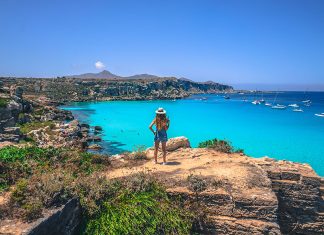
{"x":219,"y":145}
{"x":13,"y":153}
{"x":3,"y":102}
{"x":32,"y":211}
{"x":148,"y":211}
{"x":139,"y":153}
{"x":19,"y":193}
{"x":197,"y":183}
{"x":30,"y":126}
{"x":22,"y":162}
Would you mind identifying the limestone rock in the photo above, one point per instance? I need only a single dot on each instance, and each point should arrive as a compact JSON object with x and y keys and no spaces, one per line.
{"x":95,"y":147}
{"x":176,"y":143}
{"x":66,"y":221}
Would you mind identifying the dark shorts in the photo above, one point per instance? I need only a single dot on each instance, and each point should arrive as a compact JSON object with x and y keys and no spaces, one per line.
{"x":161,"y":136}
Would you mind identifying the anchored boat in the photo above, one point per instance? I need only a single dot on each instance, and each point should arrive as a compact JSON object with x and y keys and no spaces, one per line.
{"x":294,"y":105}
{"x":319,"y":114}
{"x":279,"y":106}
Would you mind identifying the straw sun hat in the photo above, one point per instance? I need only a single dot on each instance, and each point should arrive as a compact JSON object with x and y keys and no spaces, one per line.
{"x":160,"y":111}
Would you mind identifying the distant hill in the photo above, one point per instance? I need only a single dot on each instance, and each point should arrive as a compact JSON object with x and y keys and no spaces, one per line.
{"x":104,"y":74}
{"x":108,"y":75}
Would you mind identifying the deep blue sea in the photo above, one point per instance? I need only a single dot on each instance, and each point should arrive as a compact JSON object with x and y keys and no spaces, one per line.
{"x":258,"y":129}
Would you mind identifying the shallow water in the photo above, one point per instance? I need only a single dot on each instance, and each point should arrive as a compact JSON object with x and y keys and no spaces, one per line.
{"x":258,"y":129}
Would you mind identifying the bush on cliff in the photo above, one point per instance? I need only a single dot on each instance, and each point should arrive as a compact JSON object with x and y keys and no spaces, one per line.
{"x":139,"y":153}
{"x":43,"y":177}
{"x":140,"y":206}
{"x":3,"y":102}
{"x":30,"y":126}
{"x":223,"y":146}
{"x":16,"y":162}
{"x":47,"y":178}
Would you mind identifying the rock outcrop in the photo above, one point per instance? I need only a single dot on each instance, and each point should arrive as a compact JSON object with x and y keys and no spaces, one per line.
{"x":9,"y":113}
{"x":244,"y":195}
{"x":173,"y":144}
{"x":65,"y":220}
{"x":300,"y":195}
{"x":176,"y":143}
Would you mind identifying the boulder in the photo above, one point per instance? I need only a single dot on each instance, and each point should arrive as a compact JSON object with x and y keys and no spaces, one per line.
{"x":9,"y":137}
{"x":12,"y":130}
{"x":84,"y":144}
{"x":19,"y":92}
{"x":74,"y":123}
{"x":172,"y":145}
{"x":65,"y":220}
{"x":98,"y":128}
{"x":85,"y":129}
{"x":176,"y":143}
{"x":85,"y":125}
{"x":94,"y":138}
{"x":95,"y":147}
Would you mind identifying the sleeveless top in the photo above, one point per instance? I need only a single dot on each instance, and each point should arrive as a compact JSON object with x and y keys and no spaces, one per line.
{"x":161,"y":124}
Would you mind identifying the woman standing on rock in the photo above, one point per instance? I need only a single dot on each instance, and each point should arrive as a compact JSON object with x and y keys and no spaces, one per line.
{"x":162,"y":124}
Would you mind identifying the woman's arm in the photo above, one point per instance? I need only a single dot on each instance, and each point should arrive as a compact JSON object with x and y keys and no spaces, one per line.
{"x":151,"y":126}
{"x":167,"y":125}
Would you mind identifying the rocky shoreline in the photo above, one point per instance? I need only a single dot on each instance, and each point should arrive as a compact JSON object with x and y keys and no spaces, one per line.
{"x":33,"y":102}
{"x":240,"y":195}
{"x":76,"y":89}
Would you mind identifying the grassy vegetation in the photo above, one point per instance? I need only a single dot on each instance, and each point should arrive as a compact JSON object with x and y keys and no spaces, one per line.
{"x":27,"y":127}
{"x":140,"y":206}
{"x":139,"y":153}
{"x":3,"y":102}
{"x":44,"y":178}
{"x":17,"y":163}
{"x":219,"y":145}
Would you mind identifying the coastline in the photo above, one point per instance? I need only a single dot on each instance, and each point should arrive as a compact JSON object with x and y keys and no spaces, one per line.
{"x":280,"y":142}
{"x":239,"y":193}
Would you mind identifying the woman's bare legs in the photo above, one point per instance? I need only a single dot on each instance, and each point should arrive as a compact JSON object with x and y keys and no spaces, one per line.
{"x":164,"y":151}
{"x":156,"y":148}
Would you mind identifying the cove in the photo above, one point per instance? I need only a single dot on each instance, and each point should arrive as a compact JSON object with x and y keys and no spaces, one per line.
{"x":257,"y":129}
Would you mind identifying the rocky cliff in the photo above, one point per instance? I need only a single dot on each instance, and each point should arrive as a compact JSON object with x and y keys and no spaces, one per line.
{"x":243,"y":195}
{"x":77,"y":89}
{"x":231,"y":193}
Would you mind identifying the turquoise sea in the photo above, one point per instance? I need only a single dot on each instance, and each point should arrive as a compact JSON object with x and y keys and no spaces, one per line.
{"x":258,"y":129}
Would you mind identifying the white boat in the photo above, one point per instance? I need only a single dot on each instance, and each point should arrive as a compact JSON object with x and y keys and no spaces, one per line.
{"x":306,"y":101}
{"x":298,"y":110}
{"x":279,"y":106}
{"x":319,"y":114}
{"x":268,"y":104}
{"x":294,"y":105}
{"x":262,"y":101}
{"x":256,"y":102}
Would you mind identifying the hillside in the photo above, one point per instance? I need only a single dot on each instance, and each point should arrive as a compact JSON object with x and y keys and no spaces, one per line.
{"x":137,"y":87}
{"x":108,"y":75}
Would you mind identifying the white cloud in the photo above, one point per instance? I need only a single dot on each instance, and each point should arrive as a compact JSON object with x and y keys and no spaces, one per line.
{"x":99,"y":65}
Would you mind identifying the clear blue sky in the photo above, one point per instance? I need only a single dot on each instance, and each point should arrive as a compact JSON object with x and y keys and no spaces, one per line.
{"x":235,"y":42}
